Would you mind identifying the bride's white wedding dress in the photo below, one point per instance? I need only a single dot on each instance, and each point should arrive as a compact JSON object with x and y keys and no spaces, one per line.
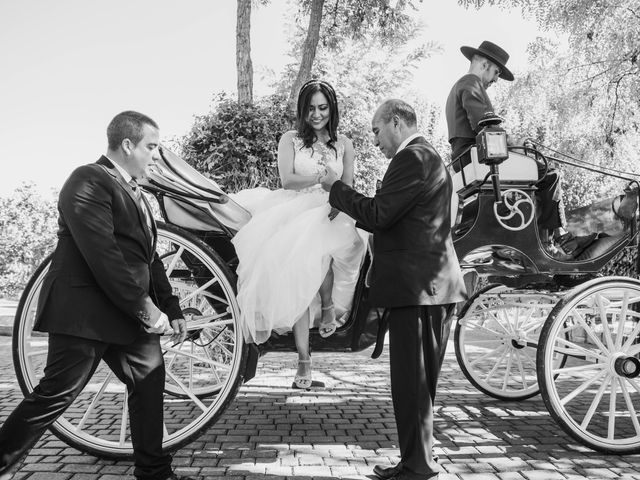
{"x":286,"y":248}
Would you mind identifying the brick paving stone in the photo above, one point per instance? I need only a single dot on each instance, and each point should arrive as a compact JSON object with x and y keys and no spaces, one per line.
{"x":51,"y":459}
{"x":39,"y":467}
{"x":543,"y":475}
{"x":81,"y":468}
{"x":50,"y":476}
{"x":83,"y":476}
{"x":601,"y":473}
{"x":79,"y":459}
{"x":477,"y":476}
{"x":510,"y":476}
{"x":114,"y":469}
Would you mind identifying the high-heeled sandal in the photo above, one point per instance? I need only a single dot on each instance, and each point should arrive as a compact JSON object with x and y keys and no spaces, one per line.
{"x":304,"y":382}
{"x":326,"y":329}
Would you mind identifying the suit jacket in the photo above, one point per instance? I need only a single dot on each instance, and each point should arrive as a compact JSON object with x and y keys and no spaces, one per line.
{"x":105,"y":281}
{"x":414,"y":262}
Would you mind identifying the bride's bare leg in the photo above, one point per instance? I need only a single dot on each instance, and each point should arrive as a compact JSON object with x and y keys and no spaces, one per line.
{"x":301,"y":337}
{"x":327,"y":323}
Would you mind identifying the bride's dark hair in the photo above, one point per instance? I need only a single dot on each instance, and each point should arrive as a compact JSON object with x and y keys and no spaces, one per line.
{"x":305,"y":132}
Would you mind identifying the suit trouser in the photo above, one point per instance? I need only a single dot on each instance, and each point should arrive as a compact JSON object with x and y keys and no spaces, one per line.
{"x":71,"y":361}
{"x":417,"y":343}
{"x":549,"y":196}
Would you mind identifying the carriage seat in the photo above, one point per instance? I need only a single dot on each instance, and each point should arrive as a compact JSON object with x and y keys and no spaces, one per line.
{"x":601,"y":245}
{"x":517,"y":171}
{"x":191,"y":200}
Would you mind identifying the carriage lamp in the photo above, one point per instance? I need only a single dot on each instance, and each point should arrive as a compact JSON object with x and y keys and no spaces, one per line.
{"x":492,"y":148}
{"x":492,"y":140}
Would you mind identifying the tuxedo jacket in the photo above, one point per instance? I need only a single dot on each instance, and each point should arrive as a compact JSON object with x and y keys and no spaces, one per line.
{"x":105,"y":281}
{"x":414,"y":262}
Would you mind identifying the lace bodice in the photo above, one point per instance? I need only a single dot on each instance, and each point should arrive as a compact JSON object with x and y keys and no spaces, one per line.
{"x":310,"y":161}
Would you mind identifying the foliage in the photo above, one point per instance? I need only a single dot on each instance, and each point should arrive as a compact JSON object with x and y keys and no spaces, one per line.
{"x":355,"y":19}
{"x":236,"y":144}
{"x":624,"y":264}
{"x":27,"y":236}
{"x":334,"y":22}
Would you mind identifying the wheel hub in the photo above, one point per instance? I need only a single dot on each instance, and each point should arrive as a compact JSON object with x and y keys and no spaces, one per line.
{"x":519,"y":340}
{"x":628,"y":367}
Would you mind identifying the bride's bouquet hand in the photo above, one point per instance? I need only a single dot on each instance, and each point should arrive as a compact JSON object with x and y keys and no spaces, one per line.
{"x":333,"y":213}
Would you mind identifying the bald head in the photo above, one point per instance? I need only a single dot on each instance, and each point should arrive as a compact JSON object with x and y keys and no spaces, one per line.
{"x":400,"y":108}
{"x":393,"y":122}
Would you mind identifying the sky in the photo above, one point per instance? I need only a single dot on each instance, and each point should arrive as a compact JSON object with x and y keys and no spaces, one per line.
{"x":67,"y":67}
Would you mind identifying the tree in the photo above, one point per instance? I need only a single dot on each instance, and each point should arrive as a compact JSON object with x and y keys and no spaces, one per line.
{"x":27,"y":236}
{"x":308,"y":49}
{"x":244,"y":67}
{"x":339,"y":20}
{"x":236,"y":143}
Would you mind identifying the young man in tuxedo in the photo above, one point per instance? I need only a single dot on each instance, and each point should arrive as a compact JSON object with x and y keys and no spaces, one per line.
{"x":105,"y":297}
{"x":415,"y":274}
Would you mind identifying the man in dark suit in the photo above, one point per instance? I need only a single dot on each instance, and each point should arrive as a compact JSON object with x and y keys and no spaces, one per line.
{"x":105,"y":297}
{"x":415,"y":274}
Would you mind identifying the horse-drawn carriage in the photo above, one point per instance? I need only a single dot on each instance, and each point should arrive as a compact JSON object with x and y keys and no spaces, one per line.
{"x":526,"y":331}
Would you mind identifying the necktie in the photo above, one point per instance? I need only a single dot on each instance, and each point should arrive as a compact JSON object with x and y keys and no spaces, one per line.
{"x":138,"y":194}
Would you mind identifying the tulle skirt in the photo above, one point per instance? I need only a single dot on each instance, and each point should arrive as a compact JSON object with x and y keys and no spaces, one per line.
{"x":284,"y":253}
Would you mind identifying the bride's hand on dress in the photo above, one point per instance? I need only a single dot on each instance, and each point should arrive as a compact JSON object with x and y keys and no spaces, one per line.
{"x":333,"y":213}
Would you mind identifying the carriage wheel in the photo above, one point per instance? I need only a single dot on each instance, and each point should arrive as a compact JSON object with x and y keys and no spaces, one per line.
{"x":594,"y":396}
{"x":496,"y":339}
{"x":203,"y":374}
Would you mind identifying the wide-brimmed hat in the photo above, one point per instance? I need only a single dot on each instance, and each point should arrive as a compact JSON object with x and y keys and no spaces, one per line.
{"x":494,"y":53}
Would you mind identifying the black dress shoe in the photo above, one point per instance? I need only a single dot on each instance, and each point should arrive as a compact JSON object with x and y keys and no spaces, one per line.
{"x":385,"y":473}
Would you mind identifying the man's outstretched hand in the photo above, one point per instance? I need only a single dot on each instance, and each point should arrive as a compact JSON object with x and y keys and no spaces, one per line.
{"x":330,"y":177}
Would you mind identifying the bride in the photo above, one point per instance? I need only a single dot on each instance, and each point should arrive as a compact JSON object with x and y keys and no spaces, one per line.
{"x":296,"y":248}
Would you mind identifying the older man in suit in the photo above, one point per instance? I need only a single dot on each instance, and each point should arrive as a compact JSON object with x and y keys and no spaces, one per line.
{"x":105,"y":297}
{"x":415,"y":274}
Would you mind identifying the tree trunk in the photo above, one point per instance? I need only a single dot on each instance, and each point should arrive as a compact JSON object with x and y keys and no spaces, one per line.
{"x":308,"y":52}
{"x":244,"y":66}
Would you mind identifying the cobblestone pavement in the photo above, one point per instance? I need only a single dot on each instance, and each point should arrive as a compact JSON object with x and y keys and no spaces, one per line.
{"x":272,"y":432}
